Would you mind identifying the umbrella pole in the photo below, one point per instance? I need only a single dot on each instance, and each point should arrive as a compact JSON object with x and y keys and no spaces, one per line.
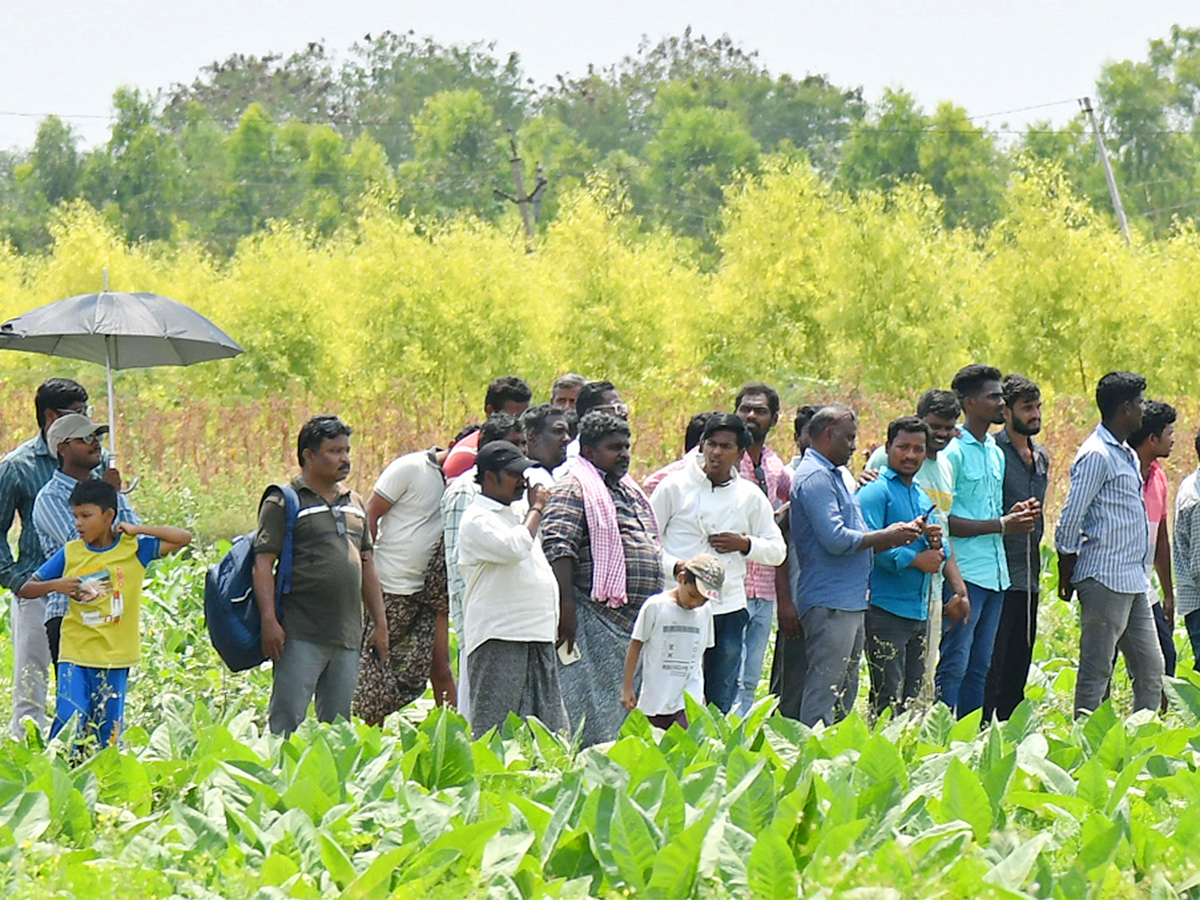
{"x":112,"y":415}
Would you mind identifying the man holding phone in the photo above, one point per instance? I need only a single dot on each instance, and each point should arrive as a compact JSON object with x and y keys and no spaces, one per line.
{"x":510,"y":610}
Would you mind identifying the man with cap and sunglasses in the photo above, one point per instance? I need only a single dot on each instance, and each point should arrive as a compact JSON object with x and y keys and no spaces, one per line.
{"x":75,"y":440}
{"x":510,"y":609}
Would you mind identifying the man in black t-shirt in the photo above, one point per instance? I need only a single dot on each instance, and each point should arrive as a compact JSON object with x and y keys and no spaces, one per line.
{"x":333,"y":578}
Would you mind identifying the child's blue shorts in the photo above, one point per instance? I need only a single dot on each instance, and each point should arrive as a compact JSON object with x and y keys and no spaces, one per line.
{"x":97,"y":696}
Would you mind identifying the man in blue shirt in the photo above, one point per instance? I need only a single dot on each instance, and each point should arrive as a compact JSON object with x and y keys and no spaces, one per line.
{"x":900,"y":580}
{"x":1104,"y":550}
{"x":832,"y":547}
{"x":978,"y":524}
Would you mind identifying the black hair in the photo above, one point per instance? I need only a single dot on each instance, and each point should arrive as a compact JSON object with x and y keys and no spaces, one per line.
{"x":466,"y":431}
{"x":727,"y":422}
{"x":970,"y":380}
{"x":1116,"y":388}
{"x":826,"y":416}
{"x":803,"y":416}
{"x":504,"y":390}
{"x":596,"y":426}
{"x":536,"y":419}
{"x":695,"y":429}
{"x":56,"y":393}
{"x":316,"y":431}
{"x":758,"y":387}
{"x":572,"y":422}
{"x":1018,"y":388}
{"x":1156,"y":416}
{"x":95,"y":491}
{"x":498,"y":427}
{"x":590,"y":396}
{"x":907,"y":425}
{"x":1196,"y":443}
{"x":943,"y":404}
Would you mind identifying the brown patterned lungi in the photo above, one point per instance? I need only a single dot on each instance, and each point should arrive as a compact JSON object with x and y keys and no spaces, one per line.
{"x":412,"y":620}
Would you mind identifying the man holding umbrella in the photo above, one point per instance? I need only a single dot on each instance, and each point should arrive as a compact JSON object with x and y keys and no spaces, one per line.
{"x":22,"y":474}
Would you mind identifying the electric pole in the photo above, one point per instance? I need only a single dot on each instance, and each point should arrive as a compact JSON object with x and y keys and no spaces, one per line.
{"x":1086,"y":103}
{"x":528,"y":204}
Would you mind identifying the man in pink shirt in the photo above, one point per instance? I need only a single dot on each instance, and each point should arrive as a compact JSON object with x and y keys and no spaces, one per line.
{"x":758,"y":406}
{"x":1152,"y":442}
{"x":691,"y":440}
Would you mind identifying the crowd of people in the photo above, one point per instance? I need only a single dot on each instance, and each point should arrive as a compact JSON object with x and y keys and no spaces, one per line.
{"x":577,"y":594}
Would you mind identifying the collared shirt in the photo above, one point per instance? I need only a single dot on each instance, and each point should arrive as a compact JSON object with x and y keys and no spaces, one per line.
{"x":827,"y":534}
{"x":565,"y":536}
{"x":1020,"y":483}
{"x":54,"y":521}
{"x":461,"y":493}
{"x":511,"y":592}
{"x":325,"y":605}
{"x":776,"y":483}
{"x":408,"y":532}
{"x":22,"y":474}
{"x":1185,"y":550}
{"x":1104,"y":518}
{"x":978,"y":468}
{"x":895,"y":585}
{"x":690,"y":509}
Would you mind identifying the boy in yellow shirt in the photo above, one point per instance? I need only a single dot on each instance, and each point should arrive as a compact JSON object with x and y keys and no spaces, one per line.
{"x":101,"y":574}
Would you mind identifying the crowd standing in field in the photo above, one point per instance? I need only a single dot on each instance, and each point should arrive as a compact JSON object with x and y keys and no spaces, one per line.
{"x":576,"y":594}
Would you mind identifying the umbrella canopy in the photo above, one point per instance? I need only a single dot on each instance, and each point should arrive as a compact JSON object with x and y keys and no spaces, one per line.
{"x":119,"y":330}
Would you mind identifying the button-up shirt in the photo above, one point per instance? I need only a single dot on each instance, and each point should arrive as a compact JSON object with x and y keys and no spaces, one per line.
{"x":511,"y":592}
{"x":1185,"y":549}
{"x":776,"y":483}
{"x":1020,"y":483}
{"x":895,"y":585}
{"x":54,"y":520}
{"x":978,"y":468}
{"x":22,"y":475}
{"x":1104,"y":518}
{"x":827,"y":534}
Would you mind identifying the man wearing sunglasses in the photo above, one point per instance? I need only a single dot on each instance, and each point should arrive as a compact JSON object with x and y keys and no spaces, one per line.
{"x":22,"y":474}
{"x":315,"y":638}
{"x":75,"y":440}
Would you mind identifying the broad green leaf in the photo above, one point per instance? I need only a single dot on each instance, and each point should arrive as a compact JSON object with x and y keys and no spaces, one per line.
{"x":964,"y":798}
{"x":375,"y":880}
{"x":633,"y":843}
{"x":504,"y":852}
{"x":336,"y":862}
{"x":1013,"y":871}
{"x":754,"y":805}
{"x":26,"y":816}
{"x":1092,"y":784}
{"x":771,"y":871}
{"x":967,"y":728}
{"x":676,"y":864}
{"x":1185,"y":697}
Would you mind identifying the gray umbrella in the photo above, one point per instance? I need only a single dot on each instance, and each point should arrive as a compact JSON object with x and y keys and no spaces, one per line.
{"x":121,"y":331}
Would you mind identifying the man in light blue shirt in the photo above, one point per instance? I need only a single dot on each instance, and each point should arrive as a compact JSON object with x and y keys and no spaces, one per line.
{"x":832,"y":545}
{"x":977,"y":525}
{"x":1104,"y":550}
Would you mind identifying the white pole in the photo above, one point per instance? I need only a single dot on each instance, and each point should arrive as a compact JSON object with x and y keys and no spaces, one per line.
{"x":112,"y":413}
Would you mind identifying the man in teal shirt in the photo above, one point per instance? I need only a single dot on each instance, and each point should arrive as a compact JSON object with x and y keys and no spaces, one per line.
{"x":896,"y":640}
{"x":977,"y":526}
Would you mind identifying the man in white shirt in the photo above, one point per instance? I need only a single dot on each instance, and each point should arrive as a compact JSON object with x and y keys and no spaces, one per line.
{"x":708,"y":508}
{"x":510,"y":610}
{"x":404,"y":515}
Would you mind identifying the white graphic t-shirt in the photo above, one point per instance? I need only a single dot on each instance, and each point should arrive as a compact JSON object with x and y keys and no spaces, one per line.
{"x":674,"y":640}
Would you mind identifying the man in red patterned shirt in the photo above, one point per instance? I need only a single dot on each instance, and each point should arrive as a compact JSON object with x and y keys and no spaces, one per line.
{"x":758,"y":406}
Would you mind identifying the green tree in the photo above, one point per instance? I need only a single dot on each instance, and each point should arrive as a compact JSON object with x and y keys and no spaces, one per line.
{"x":962,"y":165}
{"x":55,"y":160}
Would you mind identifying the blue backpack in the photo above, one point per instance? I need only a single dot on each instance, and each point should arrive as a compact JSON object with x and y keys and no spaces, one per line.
{"x":229,"y":606}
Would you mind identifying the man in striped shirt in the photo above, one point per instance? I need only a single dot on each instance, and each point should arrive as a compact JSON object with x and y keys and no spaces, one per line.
{"x":1103,"y":542}
{"x":1187,"y":556}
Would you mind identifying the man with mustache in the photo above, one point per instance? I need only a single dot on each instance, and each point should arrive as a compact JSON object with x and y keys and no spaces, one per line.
{"x":314,"y":639}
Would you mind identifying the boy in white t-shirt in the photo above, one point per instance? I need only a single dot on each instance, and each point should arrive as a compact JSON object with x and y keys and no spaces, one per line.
{"x":675,"y":627}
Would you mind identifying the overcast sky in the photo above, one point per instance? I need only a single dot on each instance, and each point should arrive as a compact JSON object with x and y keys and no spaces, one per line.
{"x":67,"y":56}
